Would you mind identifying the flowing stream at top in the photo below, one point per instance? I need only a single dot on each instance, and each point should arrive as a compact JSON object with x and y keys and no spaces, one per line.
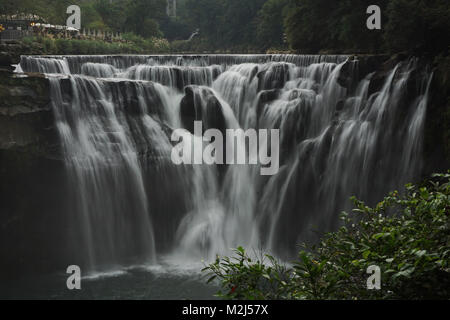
{"x":130,"y":203}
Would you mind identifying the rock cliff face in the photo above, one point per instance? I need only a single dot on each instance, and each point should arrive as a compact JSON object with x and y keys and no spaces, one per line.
{"x":10,"y":53}
{"x":437,"y":126}
{"x":31,"y":175}
{"x":26,"y":119}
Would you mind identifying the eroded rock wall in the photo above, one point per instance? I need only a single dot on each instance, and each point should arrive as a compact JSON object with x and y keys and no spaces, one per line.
{"x":31,"y":178}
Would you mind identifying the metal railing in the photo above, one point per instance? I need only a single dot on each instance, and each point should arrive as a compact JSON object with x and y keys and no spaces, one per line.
{"x":14,"y":34}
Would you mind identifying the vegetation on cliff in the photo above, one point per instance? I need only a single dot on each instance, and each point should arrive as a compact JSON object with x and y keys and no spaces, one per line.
{"x":406,"y":235}
{"x":133,"y":44}
{"x":140,"y":17}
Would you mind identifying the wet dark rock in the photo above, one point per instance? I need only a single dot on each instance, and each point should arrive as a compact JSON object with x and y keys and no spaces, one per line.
{"x":26,"y":117}
{"x":302,"y":94}
{"x":66,"y":88}
{"x":273,"y":78}
{"x":10,"y":52}
{"x":253,"y":74}
{"x":31,"y":178}
{"x":191,"y":109}
{"x":437,"y":126}
{"x":178,"y":74}
{"x":265,"y":97}
{"x":381,"y":68}
{"x":340,"y":105}
{"x":6,"y":60}
{"x":368,"y":64}
{"x":346,"y":77}
{"x":132,"y":93}
{"x":187,"y":109}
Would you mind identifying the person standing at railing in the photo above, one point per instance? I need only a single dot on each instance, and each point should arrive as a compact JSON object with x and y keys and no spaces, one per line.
{"x":1,"y":30}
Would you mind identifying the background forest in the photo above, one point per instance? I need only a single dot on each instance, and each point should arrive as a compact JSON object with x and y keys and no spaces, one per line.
{"x":305,"y":26}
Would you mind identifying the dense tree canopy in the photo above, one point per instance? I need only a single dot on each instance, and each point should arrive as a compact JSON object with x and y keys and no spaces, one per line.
{"x":309,"y":26}
{"x":418,"y":24}
{"x":138,"y":16}
{"x":314,"y":25}
{"x":270,"y":26}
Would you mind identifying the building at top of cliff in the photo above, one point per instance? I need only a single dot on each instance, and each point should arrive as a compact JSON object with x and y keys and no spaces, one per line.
{"x":17,"y":26}
{"x":20,"y":21}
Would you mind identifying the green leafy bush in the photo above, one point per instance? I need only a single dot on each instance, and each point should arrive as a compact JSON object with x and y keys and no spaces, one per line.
{"x":134,"y":45}
{"x":407,"y":236}
{"x":241,"y":277}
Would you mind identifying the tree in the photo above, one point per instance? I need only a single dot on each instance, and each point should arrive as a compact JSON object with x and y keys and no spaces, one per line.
{"x":239,"y":22}
{"x":139,"y":14}
{"x":90,"y":18}
{"x":225,"y":23}
{"x":8,"y":6}
{"x":417,"y":24}
{"x":350,"y":24}
{"x":113,"y":14}
{"x":175,"y":29}
{"x":270,"y":28}
{"x":206,"y":15}
{"x":406,"y":236}
{"x":315,"y":25}
{"x":150,"y":28}
{"x":311,"y":25}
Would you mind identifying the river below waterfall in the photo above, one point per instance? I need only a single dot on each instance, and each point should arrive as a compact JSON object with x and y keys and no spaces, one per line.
{"x":342,"y":134}
{"x":162,"y":282}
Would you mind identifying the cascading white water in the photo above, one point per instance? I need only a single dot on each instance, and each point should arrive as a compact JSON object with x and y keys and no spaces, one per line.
{"x":115,"y":116}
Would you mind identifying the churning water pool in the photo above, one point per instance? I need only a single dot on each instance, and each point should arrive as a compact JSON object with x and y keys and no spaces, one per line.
{"x":135,"y":283}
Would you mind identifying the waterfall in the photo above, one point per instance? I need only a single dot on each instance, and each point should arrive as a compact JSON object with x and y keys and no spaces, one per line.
{"x":129,"y":203}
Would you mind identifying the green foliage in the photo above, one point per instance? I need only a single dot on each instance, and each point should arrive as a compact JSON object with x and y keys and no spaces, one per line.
{"x":311,"y":26}
{"x":315,"y":25}
{"x":305,"y":31}
{"x":225,"y":23}
{"x":270,"y":29}
{"x":52,"y":10}
{"x":175,"y":29}
{"x":150,"y":28}
{"x":241,"y":277}
{"x":134,"y":45}
{"x":142,"y":17}
{"x":183,"y":46}
{"x":419,"y":25}
{"x":112,"y":14}
{"x":206,"y":16}
{"x":138,"y":16}
{"x":90,"y":18}
{"x":407,"y":236}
